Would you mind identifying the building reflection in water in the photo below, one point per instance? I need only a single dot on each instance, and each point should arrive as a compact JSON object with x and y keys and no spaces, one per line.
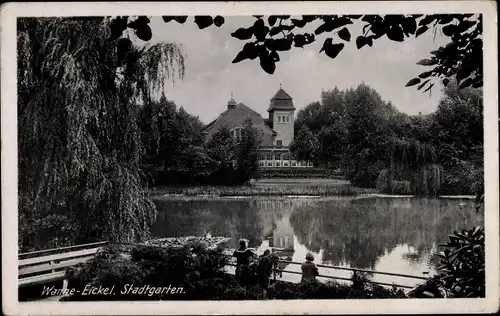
{"x":385,"y":234}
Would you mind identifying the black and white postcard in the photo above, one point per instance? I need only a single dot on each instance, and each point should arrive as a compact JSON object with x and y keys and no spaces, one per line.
{"x":249,"y":158}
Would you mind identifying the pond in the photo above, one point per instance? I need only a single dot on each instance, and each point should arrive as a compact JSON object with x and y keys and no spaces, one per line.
{"x":388,"y":234}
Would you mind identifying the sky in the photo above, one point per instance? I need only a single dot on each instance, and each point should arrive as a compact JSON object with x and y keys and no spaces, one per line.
{"x":211,"y":77}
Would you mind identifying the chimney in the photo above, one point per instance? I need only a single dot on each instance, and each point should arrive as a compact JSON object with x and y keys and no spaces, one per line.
{"x":231,"y":103}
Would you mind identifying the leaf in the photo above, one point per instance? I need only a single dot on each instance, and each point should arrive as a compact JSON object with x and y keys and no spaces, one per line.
{"x":423,"y":84}
{"x":218,"y":21}
{"x":260,"y":30}
{"x":466,"y":83}
{"x":428,"y":294}
{"x":275,"y":30}
{"x":117,"y":26}
{"x":395,"y":33}
{"x":362,"y":41}
{"x":445,"y":18}
{"x":252,"y":50}
{"x":477,"y":231}
{"x":460,"y":235}
{"x":442,"y":267}
{"x":427,"y":62}
{"x":421,"y":30}
{"x":320,"y":29}
{"x":344,"y":34}
{"x":274,"y":56}
{"x":298,"y":23}
{"x":449,"y":30}
{"x":282,"y":44}
{"x":138,"y":23}
{"x":272,"y":20}
{"x":330,"y":25}
{"x":299,"y":40}
{"x":241,"y":56}
{"x":409,"y":25}
{"x":144,"y":33}
{"x":425,"y":74}
{"x":331,"y":50}
{"x":243,"y":33}
{"x":180,"y":18}
{"x":412,"y":82}
{"x":167,"y":18}
{"x":427,"y":20}
{"x":203,"y":21}
{"x":267,"y":63}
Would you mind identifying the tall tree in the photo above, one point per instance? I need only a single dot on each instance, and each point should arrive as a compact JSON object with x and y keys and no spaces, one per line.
{"x":221,"y":147}
{"x":303,"y":146}
{"x":79,"y":137}
{"x":366,"y":135}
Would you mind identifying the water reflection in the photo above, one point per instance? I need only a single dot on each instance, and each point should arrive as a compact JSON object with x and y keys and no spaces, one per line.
{"x":385,"y":234}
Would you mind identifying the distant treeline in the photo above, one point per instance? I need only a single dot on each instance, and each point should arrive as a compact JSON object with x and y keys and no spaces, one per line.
{"x":378,"y":146}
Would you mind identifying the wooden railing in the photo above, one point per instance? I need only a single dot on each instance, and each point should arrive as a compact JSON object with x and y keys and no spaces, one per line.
{"x":276,"y":271}
{"x":44,"y":266}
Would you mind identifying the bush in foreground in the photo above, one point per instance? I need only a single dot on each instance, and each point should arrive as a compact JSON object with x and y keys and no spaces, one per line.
{"x":461,"y":273}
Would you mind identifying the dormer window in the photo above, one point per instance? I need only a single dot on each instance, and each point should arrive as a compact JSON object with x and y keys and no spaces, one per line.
{"x":279,"y":118}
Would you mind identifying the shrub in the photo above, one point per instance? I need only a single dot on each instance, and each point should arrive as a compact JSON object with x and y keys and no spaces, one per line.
{"x":314,"y":289}
{"x":153,"y":266}
{"x":462,"y":269}
{"x":461,"y":273}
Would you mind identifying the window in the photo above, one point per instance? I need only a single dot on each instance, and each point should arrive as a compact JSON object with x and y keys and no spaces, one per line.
{"x":285,"y":163}
{"x":237,"y":133}
{"x":279,"y":143}
{"x":278,"y":164}
{"x":261,"y":164}
{"x":269,"y":164}
{"x":283,"y":118}
{"x":269,"y":157}
{"x":294,"y":163}
{"x":277,"y":157}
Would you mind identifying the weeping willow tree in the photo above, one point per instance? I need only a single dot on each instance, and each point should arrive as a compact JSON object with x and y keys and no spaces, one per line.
{"x":412,"y":169}
{"x":79,"y":139}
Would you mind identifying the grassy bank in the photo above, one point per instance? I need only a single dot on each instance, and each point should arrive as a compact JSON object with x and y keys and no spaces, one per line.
{"x":297,"y":190}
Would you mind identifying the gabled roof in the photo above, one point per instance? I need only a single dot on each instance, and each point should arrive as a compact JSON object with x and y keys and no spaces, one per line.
{"x":281,"y":95}
{"x":235,"y":108}
{"x":248,"y":108}
{"x":281,"y":101}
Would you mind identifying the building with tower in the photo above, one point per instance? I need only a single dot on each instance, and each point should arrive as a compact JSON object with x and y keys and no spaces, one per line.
{"x":277,"y":130}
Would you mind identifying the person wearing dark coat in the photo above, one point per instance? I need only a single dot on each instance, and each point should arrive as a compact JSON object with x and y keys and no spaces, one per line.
{"x":243,"y":257}
{"x":309,"y":268}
